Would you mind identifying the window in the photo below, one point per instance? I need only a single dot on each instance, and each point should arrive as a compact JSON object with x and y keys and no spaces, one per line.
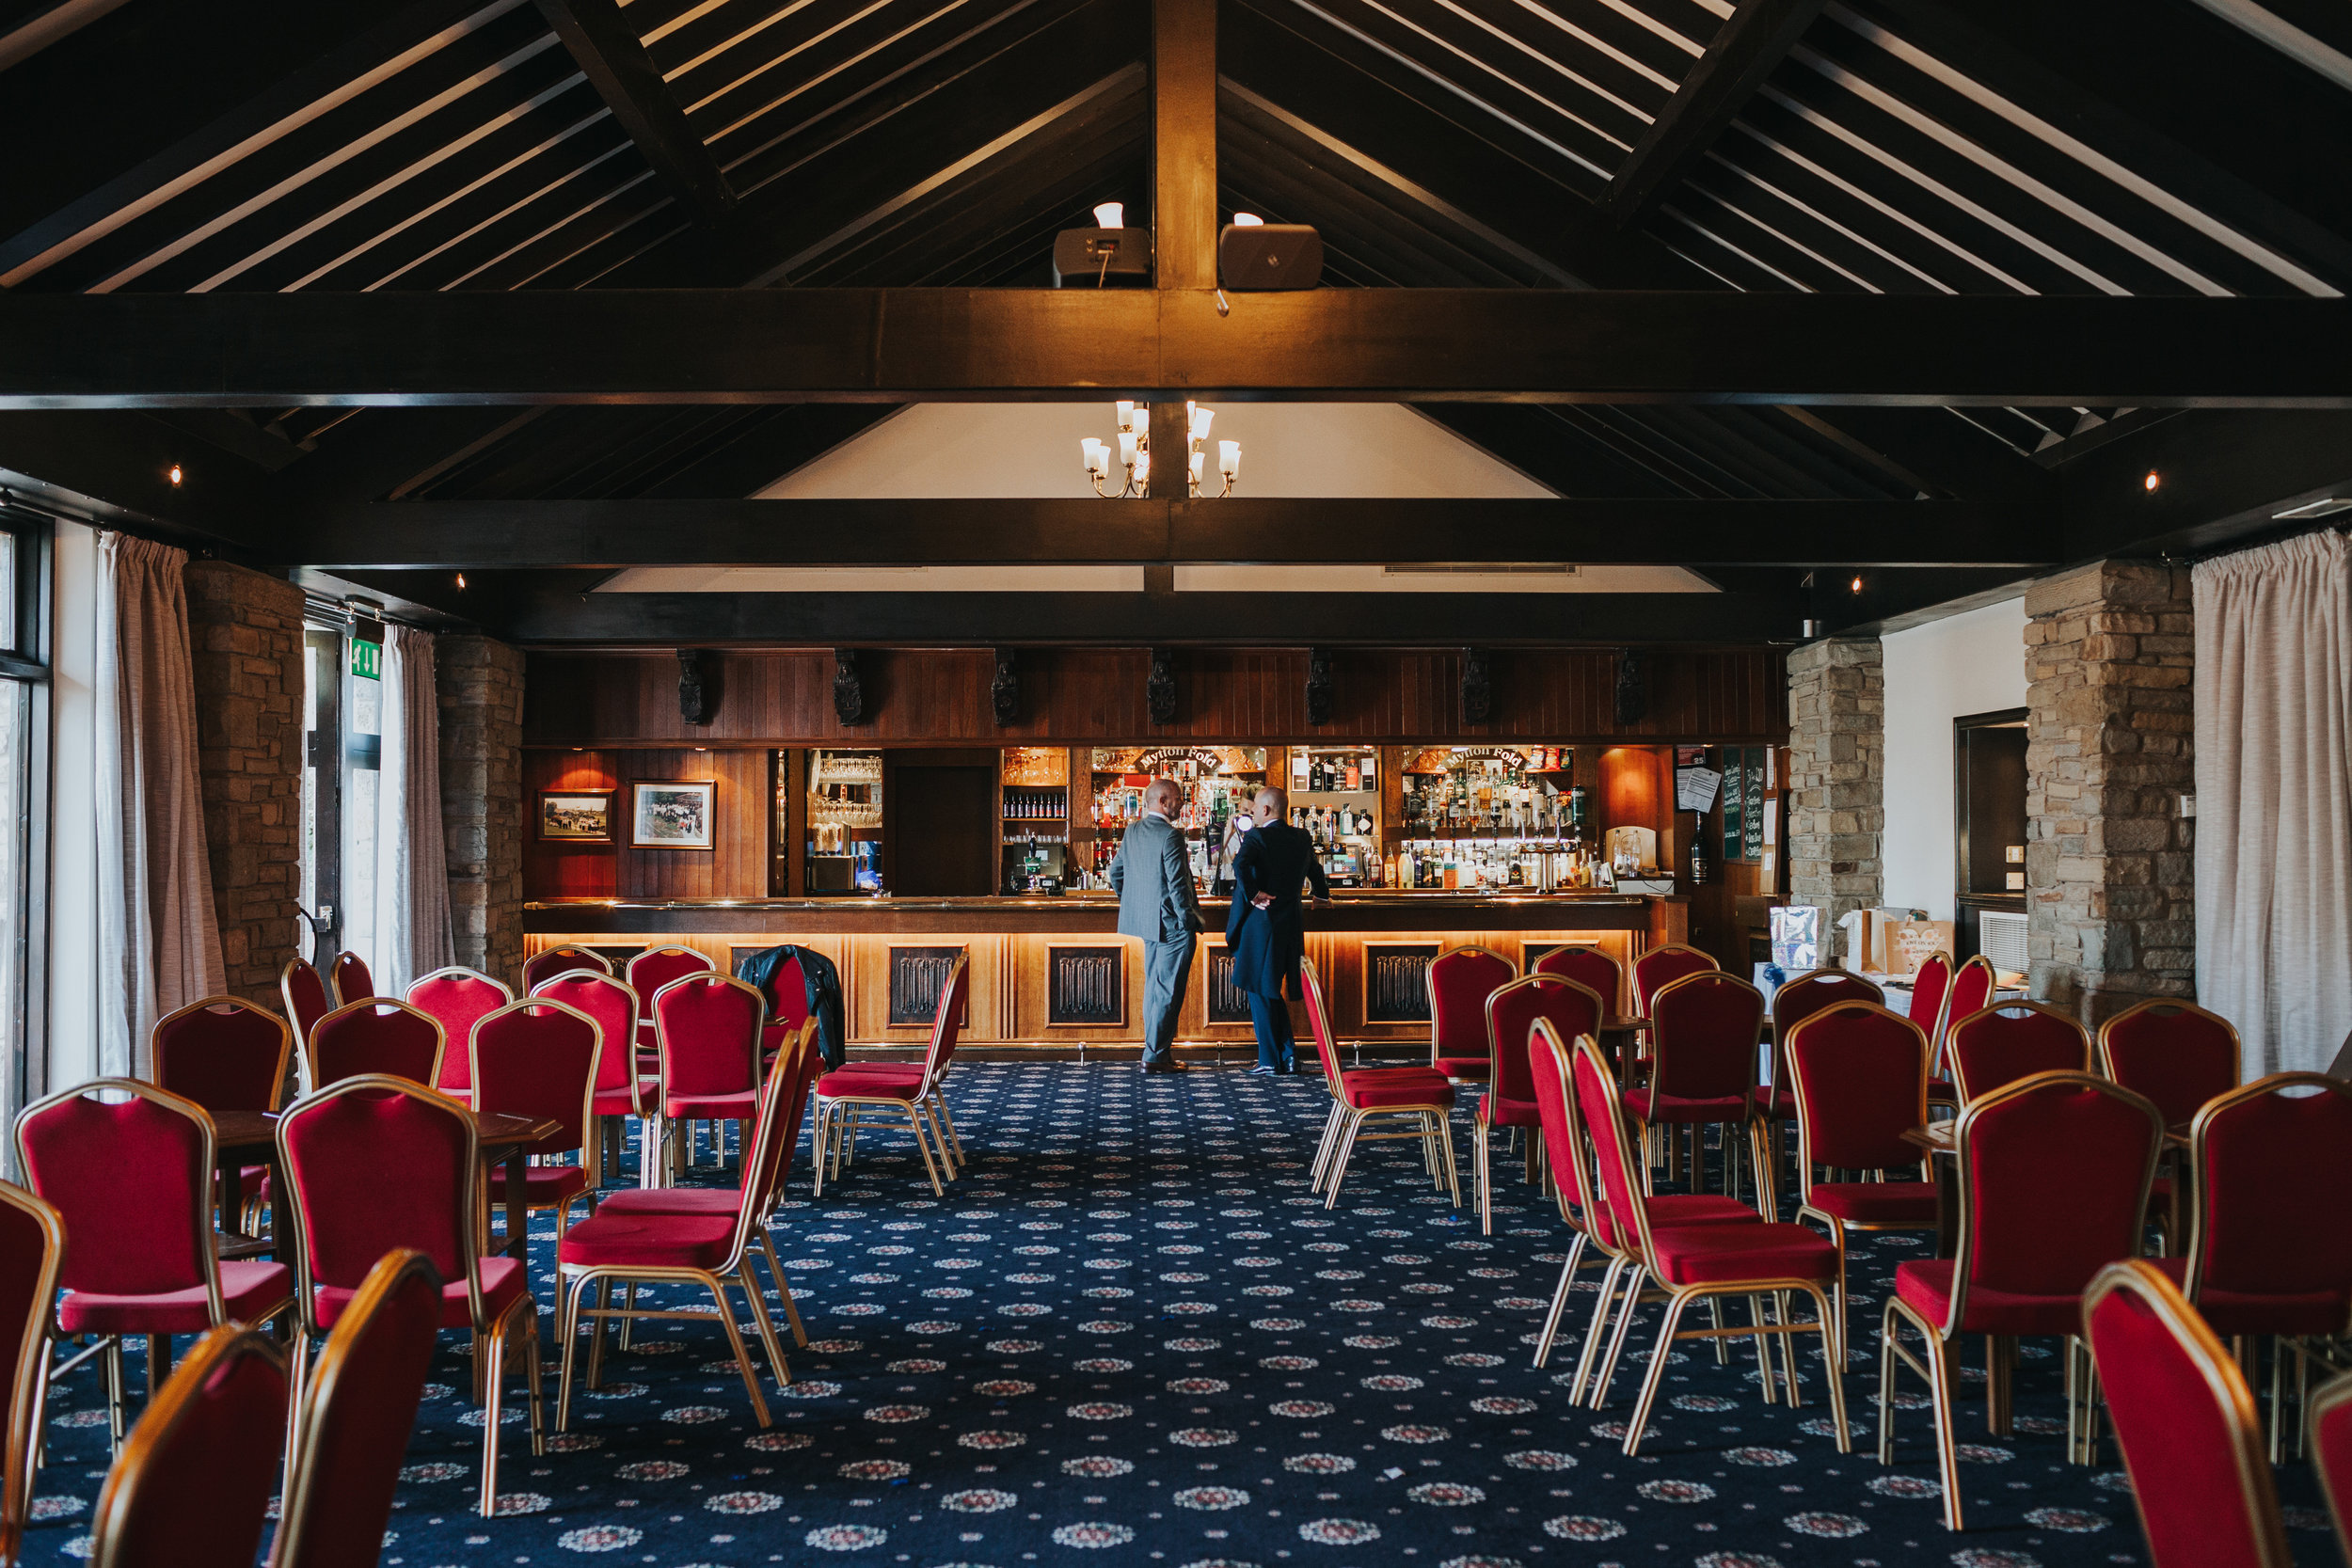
{"x":24,"y":712}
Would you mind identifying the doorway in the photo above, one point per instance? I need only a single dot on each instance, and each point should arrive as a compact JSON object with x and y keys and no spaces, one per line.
{"x":942,"y":824}
{"x":1989,"y":837}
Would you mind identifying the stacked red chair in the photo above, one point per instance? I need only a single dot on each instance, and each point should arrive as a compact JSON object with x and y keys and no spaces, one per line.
{"x":1589,"y":967}
{"x":1459,"y":981}
{"x":1998,"y":1045}
{"x":1860,"y":1076}
{"x":226,"y":1054}
{"x":32,"y":1251}
{"x":2053,"y":1173}
{"x":334,"y":1147}
{"x":457,"y":998}
{"x":1694,"y":1263}
{"x":545,"y":965}
{"x":1511,"y":1013}
{"x":192,"y":1487}
{"x":538,"y":1058}
{"x":1703,"y":1031}
{"x":375,"y":1036}
{"x":133,"y":1179}
{"x":622,"y":1091}
{"x":305,"y":998}
{"x":349,"y":981}
{"x":889,"y":1093}
{"x":2186,"y":1423}
{"x":1550,"y":1061}
{"x":351,"y":1433}
{"x":1421,"y":1099}
{"x":2272,"y":1163}
{"x":710,"y":1250}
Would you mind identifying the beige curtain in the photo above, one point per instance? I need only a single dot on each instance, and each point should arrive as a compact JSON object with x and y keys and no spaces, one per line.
{"x":2274,"y":799}
{"x":158,"y":944}
{"x":412,"y":919}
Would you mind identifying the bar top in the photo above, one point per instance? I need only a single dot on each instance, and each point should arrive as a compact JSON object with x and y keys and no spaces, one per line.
{"x":1001,"y":904}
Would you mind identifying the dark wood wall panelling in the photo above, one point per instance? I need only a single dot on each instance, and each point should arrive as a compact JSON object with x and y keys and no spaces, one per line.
{"x":736,"y":868}
{"x":1076,"y":695}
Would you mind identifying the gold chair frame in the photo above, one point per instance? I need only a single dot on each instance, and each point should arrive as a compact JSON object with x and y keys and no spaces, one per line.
{"x":1432,"y":1123}
{"x":591,"y":1152}
{"x":309,"y":1047}
{"x":839,"y":1117}
{"x":1482,"y":1132}
{"x":215,"y":1349}
{"x":28,"y":1394}
{"x":1429,"y":984}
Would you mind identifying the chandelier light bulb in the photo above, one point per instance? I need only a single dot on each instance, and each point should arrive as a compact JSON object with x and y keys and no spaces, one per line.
{"x":1197,"y":458}
{"x":1126,"y":449}
{"x":1126,"y":415}
{"x":1111,"y":214}
{"x":1228,"y":460}
{"x":1201,"y":418}
{"x":1097,"y":455}
{"x":1143,"y":468}
{"x":1143,"y":420}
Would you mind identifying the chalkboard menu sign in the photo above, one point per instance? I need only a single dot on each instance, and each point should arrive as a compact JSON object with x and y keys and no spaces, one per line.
{"x":1743,"y":802}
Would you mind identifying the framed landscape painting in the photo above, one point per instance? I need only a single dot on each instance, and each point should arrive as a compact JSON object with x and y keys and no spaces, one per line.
{"x":672,"y":815}
{"x":576,"y":815}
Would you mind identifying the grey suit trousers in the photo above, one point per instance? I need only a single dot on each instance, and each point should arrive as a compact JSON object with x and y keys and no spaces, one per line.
{"x":1166,"y":965}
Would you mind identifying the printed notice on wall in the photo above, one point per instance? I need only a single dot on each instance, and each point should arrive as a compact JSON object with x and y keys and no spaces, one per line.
{"x":1694,"y":789}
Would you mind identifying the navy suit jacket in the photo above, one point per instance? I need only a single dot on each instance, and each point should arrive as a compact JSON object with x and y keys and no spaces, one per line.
{"x":1268,"y":943}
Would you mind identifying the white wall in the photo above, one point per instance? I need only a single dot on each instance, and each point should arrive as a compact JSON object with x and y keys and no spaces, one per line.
{"x":73,"y":822}
{"x":1973,"y":662}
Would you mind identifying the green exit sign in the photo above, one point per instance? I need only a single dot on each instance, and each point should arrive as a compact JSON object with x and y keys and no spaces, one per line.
{"x":367,"y":660}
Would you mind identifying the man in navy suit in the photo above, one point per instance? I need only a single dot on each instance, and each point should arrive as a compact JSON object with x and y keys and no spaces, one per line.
{"x":1266,"y":930}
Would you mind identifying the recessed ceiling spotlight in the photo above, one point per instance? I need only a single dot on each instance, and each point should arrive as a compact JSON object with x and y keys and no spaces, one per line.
{"x":1855,"y":585}
{"x":174,"y":475}
{"x":461,"y":582}
{"x":2151,"y":482}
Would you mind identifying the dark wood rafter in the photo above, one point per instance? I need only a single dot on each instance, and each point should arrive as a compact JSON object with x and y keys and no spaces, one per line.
{"x":610,"y":55}
{"x":1748,"y":44}
{"x":484,"y":534}
{"x":788,"y":345}
{"x":1184,"y":143}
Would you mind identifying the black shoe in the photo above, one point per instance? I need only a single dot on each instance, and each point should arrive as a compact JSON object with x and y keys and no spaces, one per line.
{"x":1168,"y":1064}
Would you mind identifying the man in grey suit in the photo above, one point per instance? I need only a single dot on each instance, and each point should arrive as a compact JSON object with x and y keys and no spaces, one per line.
{"x":1152,"y":875}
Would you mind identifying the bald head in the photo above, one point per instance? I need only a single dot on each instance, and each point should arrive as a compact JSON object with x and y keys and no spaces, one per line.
{"x":1272,"y":805}
{"x":1164,"y":796}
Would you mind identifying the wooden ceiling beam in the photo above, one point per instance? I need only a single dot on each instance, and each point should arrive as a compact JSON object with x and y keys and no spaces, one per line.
{"x":1184,"y":143}
{"x":1751,"y":42}
{"x":610,"y":53}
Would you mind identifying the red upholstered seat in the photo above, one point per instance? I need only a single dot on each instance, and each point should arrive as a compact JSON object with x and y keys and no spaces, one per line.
{"x":2001,"y":1044}
{"x":705,"y":1202}
{"x":1675,"y":1209}
{"x":1460,"y":980}
{"x":625,"y":1101}
{"x":1682,"y":1108}
{"x":1705,"y":1029}
{"x":222,"y":1052}
{"x":1407,"y":1102}
{"x":1495,"y":1110}
{"x":1929,"y":983}
{"x":1661,"y":967}
{"x":2172,"y":1053}
{"x":871,"y":1072}
{"x":610,"y":1239}
{"x":191,"y":1489}
{"x":541,"y":1058}
{"x":556,"y":961}
{"x":249,"y":1290}
{"x":1874,"y":1203}
{"x":1927,"y":1285}
{"x":1371,"y":1090}
{"x":2184,"y":1421}
{"x":544,"y":1186}
{"x":1476,"y":1069}
{"x":2231,"y":1313}
{"x":707,"y":1027}
{"x":1799,"y":998}
{"x":653,"y":969}
{"x":1589,"y":967}
{"x":457,"y":998}
{"x":375,"y":1035}
{"x":503,"y":1282}
{"x":1573,"y":1009}
{"x":2274,"y":1239}
{"x":1714,"y":1254}
{"x":835,"y":1085}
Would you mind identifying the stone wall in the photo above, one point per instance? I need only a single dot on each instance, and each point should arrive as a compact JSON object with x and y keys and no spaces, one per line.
{"x":1836,"y":776}
{"x":246,"y":631}
{"x":2109,"y":878}
{"x":480,"y":685}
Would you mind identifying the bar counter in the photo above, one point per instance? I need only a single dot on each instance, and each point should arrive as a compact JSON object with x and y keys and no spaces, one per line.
{"x":1051,"y":971}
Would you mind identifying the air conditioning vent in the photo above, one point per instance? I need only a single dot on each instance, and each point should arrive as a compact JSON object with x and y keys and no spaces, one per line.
{"x":2001,"y":938}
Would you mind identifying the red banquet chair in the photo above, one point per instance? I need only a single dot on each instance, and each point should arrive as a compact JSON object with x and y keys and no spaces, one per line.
{"x":2271,"y":1249}
{"x":1799,"y":998}
{"x":1971,"y":992}
{"x":305,"y":995}
{"x":457,"y":998}
{"x":2009,"y":1040}
{"x":32,"y":1250}
{"x":710,"y":1250}
{"x":1511,"y":1013}
{"x":2331,"y":1449}
{"x":1703,"y":1030}
{"x":226,"y":1054}
{"x":2175,"y":1054}
{"x":2053,"y":1174}
{"x":544,"y":966}
{"x":1420,"y":1096}
{"x":371,"y":1036}
{"x":1702,"y":1262}
{"x":1459,"y":981}
{"x":358,"y":1409}
{"x":334,"y":1147}
{"x":786,"y":995}
{"x":1550,"y":1064}
{"x":1859,"y":1073}
{"x":799,"y":1063}
{"x":1661,"y":967}
{"x":134,"y":1180}
{"x":2185,"y":1424}
{"x":192,"y":1487}
{"x":1589,"y":967}
{"x":1929,"y":982}
{"x":848,"y":1096}
{"x":707,"y":1027}
{"x":622,"y":1091}
{"x":349,"y":981}
{"x":538,"y":1057}
{"x":655,"y":967}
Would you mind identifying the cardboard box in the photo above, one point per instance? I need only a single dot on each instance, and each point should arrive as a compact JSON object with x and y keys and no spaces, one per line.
{"x":1905,"y":944}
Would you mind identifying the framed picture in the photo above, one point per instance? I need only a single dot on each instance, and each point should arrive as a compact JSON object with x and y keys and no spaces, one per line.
{"x":672,"y":815}
{"x":576,"y":815}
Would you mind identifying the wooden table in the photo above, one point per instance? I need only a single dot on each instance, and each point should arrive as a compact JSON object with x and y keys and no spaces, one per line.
{"x":1938,"y":1140}
{"x":250,"y":1137}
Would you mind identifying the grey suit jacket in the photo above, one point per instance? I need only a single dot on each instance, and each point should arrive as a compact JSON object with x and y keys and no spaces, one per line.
{"x":1152,"y":876}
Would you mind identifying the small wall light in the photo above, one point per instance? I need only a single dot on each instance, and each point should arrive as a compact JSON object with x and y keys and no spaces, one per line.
{"x":1855,"y":585}
{"x":2151,"y":482}
{"x":174,"y":475}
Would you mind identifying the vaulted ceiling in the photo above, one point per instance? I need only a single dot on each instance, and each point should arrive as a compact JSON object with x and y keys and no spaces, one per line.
{"x":1955,"y":147}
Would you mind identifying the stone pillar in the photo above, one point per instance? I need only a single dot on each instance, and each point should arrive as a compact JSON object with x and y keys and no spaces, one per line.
{"x":1837,"y":777}
{"x":245,"y":629}
{"x":480,"y":686}
{"x":2109,"y":861}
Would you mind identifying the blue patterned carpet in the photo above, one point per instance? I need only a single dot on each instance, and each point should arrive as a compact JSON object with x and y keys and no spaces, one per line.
{"x":1129,"y":1337}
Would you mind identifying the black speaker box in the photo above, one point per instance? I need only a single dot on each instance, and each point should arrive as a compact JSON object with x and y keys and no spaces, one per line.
{"x":1104,"y":257}
{"x":1269,"y":256}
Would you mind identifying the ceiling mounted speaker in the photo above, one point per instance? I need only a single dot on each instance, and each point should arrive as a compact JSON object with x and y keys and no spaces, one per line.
{"x":1102,"y":259}
{"x":1269,"y":256}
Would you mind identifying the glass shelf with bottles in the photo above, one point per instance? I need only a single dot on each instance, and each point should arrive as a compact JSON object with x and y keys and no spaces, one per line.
{"x":1495,"y":792}
{"x":1497,"y":864}
{"x":1219,"y":784}
{"x":845,"y":823}
{"x":1335,"y":795}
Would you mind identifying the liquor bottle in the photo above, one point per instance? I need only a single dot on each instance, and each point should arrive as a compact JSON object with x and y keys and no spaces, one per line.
{"x":1354,"y":777}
